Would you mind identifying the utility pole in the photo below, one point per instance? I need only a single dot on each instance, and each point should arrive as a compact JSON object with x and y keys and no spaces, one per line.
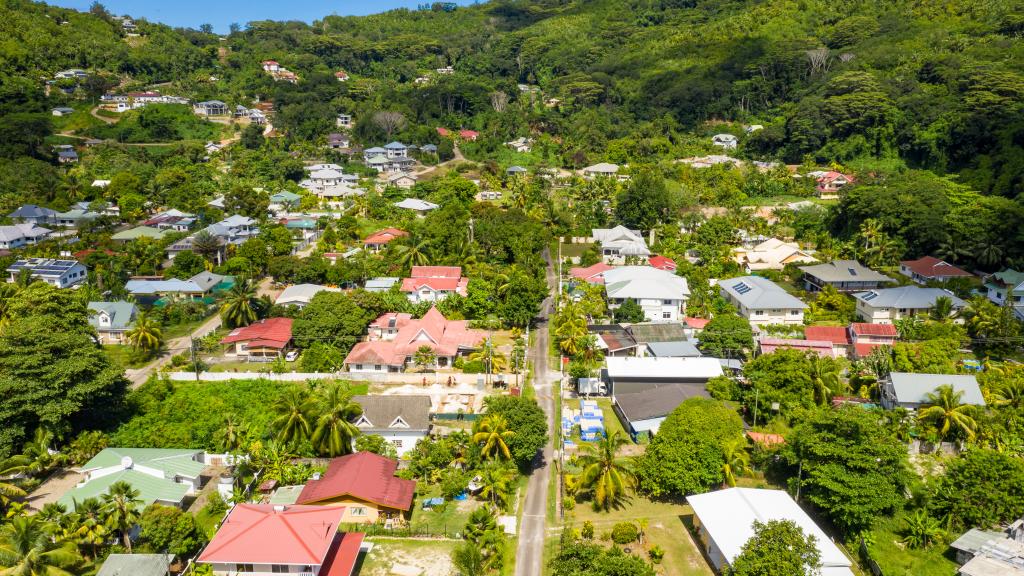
{"x":195,"y":363}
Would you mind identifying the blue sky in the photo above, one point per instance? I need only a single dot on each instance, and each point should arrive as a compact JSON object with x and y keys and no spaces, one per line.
{"x":221,"y":13}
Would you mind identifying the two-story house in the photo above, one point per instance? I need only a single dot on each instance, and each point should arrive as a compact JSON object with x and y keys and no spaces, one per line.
{"x":843,"y":275}
{"x":433,"y":283}
{"x":401,"y":420}
{"x":112,"y":320}
{"x":1006,"y":288}
{"x":661,"y":294}
{"x":619,"y":243}
{"x":762,"y":301}
{"x":931,"y":269}
{"x":59,"y":273}
{"x":887,"y":305}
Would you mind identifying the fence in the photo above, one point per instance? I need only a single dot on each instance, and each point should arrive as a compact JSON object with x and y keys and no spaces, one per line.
{"x":867,"y":560}
{"x":380,"y":377}
{"x":456,"y":416}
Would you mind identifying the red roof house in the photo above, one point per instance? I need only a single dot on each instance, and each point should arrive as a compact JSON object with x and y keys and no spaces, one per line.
{"x":591,"y":274}
{"x":364,"y":484}
{"x":264,"y":339}
{"x":930,"y":268}
{"x":444,"y":132}
{"x":341,"y":75}
{"x":820,"y":347}
{"x":832,"y":182}
{"x":696,"y":323}
{"x":433,"y":283}
{"x":378,"y":240}
{"x":470,"y":135}
{"x":395,"y":337}
{"x":662,"y":263}
{"x":838,"y":336}
{"x":765,"y":439}
{"x":281,"y":538}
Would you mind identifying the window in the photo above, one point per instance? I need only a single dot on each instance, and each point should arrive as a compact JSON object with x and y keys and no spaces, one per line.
{"x":243,"y":568}
{"x":278,"y":569}
{"x":794,"y":312}
{"x":358,"y":511}
{"x":396,"y":443}
{"x":359,"y":366}
{"x":666,"y":315}
{"x":758,"y":312}
{"x":667,"y":302}
{"x":376,"y":366}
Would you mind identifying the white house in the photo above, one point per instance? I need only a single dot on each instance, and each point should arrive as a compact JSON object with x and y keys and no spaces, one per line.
{"x":112,"y":320}
{"x":521,"y":144}
{"x":421,"y":207}
{"x":343,"y":121}
{"x":59,"y":273}
{"x":299,"y":295}
{"x":724,"y":521}
{"x":402,"y":181}
{"x":727,"y":141}
{"x":19,"y":235}
{"x":401,"y":420}
{"x":772,"y":254}
{"x":910,"y":391}
{"x":396,"y":150}
{"x":601,"y":170}
{"x":1007,"y":286}
{"x":887,"y":305}
{"x":661,"y":294}
{"x":619,"y":242}
{"x":762,"y":301}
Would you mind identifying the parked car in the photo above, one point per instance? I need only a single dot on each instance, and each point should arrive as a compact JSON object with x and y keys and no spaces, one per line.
{"x":291,"y":356}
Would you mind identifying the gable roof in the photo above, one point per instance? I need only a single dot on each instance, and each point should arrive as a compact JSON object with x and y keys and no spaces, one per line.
{"x":865,"y":329}
{"x":932,"y":267}
{"x":912,"y":297}
{"x":302,"y":293}
{"x":639,"y":282}
{"x":756,"y":293}
{"x":728,"y":517}
{"x":445,"y":337}
{"x":416,"y":204}
{"x":171,"y":461}
{"x":271,"y":333}
{"x":913,"y":388}
{"x":380,"y":412}
{"x":844,"y":271}
{"x":593,"y":274}
{"x":602,"y":168}
{"x":139,"y":232}
{"x":19,"y":231}
{"x":647,"y":332}
{"x":365,"y":476}
{"x":120,"y":313}
{"x":834,"y":334}
{"x":32,"y":211}
{"x":822,"y":348}
{"x":657,"y":402}
{"x":273,"y":534}
{"x":662,"y":262}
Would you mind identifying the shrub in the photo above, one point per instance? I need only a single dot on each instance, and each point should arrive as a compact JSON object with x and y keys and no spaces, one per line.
{"x":588,"y":530}
{"x":624,"y":533}
{"x":215,"y":505}
{"x":569,"y":503}
{"x":656,"y":553}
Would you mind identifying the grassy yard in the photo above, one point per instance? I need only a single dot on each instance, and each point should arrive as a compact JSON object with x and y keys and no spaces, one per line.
{"x":179,"y":330}
{"x":124,"y":356}
{"x":208,"y":522}
{"x":432,"y":557}
{"x":573,"y":250}
{"x":895,"y":559}
{"x":612,"y":423}
{"x":668,"y":526}
{"x":446,"y":520}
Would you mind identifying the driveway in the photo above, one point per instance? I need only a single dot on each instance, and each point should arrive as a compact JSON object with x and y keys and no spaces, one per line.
{"x":530,"y":555}
{"x":53,"y":488}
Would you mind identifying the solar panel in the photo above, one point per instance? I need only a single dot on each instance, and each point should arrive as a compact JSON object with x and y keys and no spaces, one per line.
{"x":870,"y":296}
{"x":741,"y":288}
{"x":852,"y":271}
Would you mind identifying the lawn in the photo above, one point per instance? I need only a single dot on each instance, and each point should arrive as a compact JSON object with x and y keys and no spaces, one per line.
{"x":574,"y":250}
{"x":124,"y":356}
{"x":184,"y":329}
{"x":446,"y":520}
{"x":895,"y":559}
{"x":612,"y":423}
{"x":668,"y":526}
{"x":432,"y":557}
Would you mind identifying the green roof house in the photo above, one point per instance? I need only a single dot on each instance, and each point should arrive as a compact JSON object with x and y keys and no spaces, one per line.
{"x":138,"y":232}
{"x":285,"y":198}
{"x":162,"y":475}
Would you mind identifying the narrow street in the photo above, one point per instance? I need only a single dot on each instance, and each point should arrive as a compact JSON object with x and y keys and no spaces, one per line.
{"x":530,"y":555}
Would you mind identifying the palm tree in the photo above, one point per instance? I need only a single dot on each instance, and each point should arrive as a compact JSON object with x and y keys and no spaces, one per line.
{"x":824,"y":375}
{"x":7,"y":489}
{"x":205,"y":244}
{"x":496,"y":485}
{"x":870,"y":232}
{"x":85,"y":525}
{"x":942,"y":309}
{"x":334,"y":430}
{"x":469,"y":560}
{"x":494,"y":434}
{"x":239,"y":308}
{"x":28,"y":548}
{"x":605,"y":477}
{"x":145,"y":334}
{"x":231,"y":436}
{"x":951,"y":416}
{"x":293,"y":409}
{"x":1010,"y":393}
{"x":122,"y":504}
{"x":737,"y":460}
{"x":37,"y":456}
{"x":493,"y":360}
{"x":413,"y":254}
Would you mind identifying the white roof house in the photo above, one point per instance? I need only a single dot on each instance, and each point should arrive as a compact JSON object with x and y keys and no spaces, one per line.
{"x":620,"y":242}
{"x":300,"y":294}
{"x":762,"y":301}
{"x":727,"y":141}
{"x":772,"y":254}
{"x":416,"y":204}
{"x":602,"y":169}
{"x":726,"y":518}
{"x":886,"y":305}
{"x":661,"y":294}
{"x":910,"y":390}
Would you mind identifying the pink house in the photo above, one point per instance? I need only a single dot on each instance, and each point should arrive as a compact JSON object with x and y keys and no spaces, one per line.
{"x":433,"y":283}
{"x":395,"y":337}
{"x":820,"y":347}
{"x":591,"y":274}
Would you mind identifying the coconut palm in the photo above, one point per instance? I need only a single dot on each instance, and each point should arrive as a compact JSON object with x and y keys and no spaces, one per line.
{"x":737,"y":460}
{"x":239,"y":308}
{"x":603,"y":475}
{"x":824,"y":375}
{"x":944,"y":408}
{"x":205,"y":244}
{"x":413,"y":254}
{"x":497,"y":485}
{"x":492,"y":431}
{"x":9,"y":490}
{"x":122,"y":504}
{"x":942,"y":309}
{"x":84,"y":527}
{"x":334,"y":430}
{"x":294,"y":411}
{"x":145,"y":334}
{"x":37,"y":456}
{"x":231,"y":436}
{"x":1009,"y":393}
{"x":493,"y":360}
{"x":28,"y":548}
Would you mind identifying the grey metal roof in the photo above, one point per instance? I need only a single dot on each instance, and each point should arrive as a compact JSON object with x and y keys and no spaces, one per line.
{"x":136,"y":565}
{"x":32,"y":211}
{"x":640,"y":282}
{"x":915,"y":297}
{"x":383,"y":411}
{"x":844,"y":271}
{"x":756,"y":293}
{"x":911,"y":388}
{"x":207,"y":280}
{"x":657,"y":332}
{"x":657,"y":402}
{"x":972,"y":540}
{"x":678,"y":349}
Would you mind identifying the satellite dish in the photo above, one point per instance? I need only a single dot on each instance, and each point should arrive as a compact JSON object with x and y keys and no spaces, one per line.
{"x":127,"y":462}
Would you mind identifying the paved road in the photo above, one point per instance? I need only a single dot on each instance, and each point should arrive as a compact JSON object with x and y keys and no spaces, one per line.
{"x":138,"y":376}
{"x":530,"y":556}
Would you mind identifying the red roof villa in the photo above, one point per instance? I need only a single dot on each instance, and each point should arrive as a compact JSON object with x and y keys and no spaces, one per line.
{"x":266,"y":339}
{"x":364,"y":486}
{"x":433,"y":283}
{"x":394,"y":338}
{"x":930,"y":268}
{"x":379,"y":240}
{"x":274,"y":539}
{"x":662,"y":263}
{"x":591,"y":274}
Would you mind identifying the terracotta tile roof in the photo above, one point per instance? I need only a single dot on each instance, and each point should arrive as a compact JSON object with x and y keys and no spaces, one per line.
{"x":593,"y":274}
{"x":437,"y":278}
{"x":384,"y":236}
{"x":271,"y":333}
{"x":365,"y":476}
{"x":446,"y":337}
{"x":822,"y":348}
{"x":864,"y":329}
{"x":697,"y":323}
{"x":662,"y":263}
{"x":263,"y":534}
{"x":833,"y":334}
{"x":443,"y":131}
{"x":931,"y":267}
{"x":436,"y":272}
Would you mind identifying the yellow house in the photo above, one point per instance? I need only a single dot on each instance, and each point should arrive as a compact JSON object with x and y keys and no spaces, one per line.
{"x":365,"y":484}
